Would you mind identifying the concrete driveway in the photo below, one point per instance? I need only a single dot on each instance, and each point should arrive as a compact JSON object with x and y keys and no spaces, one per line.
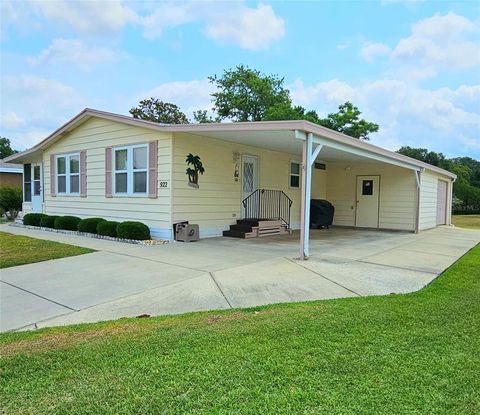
{"x":123,"y":280}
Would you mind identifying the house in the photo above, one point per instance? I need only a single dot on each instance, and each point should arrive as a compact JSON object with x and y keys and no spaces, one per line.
{"x":11,"y":174}
{"x":121,"y":168}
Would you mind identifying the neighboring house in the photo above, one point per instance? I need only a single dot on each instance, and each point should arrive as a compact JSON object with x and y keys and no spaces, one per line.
{"x":121,"y":168}
{"x":11,"y":174}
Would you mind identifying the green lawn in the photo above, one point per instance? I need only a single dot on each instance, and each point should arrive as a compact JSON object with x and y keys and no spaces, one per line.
{"x":20,"y":250}
{"x":466,"y":221}
{"x":397,"y":354}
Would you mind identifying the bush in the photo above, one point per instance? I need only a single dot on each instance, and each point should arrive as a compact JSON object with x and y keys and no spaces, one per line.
{"x":69,"y":223}
{"x":33,"y":219}
{"x":108,"y":228}
{"x":48,"y":221}
{"x":133,"y":230}
{"x":89,"y":225}
{"x":11,"y":201}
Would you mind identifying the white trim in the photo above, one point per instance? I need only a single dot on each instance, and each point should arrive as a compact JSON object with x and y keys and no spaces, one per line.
{"x":10,"y":170}
{"x":129,"y":171}
{"x":68,"y":174}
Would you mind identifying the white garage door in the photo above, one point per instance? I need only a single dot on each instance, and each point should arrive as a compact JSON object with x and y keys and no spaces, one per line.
{"x":441,"y":202}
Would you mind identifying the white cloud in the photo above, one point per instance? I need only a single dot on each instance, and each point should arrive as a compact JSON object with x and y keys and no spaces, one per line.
{"x":230,"y":22}
{"x":441,"y":119}
{"x":34,"y":107}
{"x":253,"y":29}
{"x":72,"y":51}
{"x":370,"y":51}
{"x":188,"y":95}
{"x":90,"y":17}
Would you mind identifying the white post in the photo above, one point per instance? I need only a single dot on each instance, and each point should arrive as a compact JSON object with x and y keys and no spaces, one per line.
{"x":306,"y":196}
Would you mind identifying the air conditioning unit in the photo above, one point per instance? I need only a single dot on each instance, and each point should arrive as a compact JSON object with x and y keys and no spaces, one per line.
{"x":187,"y":233}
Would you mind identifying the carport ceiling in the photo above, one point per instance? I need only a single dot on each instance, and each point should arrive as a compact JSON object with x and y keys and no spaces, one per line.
{"x":283,"y":141}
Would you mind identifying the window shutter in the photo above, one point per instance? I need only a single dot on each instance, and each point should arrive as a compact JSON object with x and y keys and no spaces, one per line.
{"x":53,"y":183}
{"x":108,"y":172}
{"x":152,"y":169}
{"x":83,"y":173}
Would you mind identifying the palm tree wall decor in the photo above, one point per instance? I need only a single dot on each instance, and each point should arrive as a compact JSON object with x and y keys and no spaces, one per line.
{"x":192,"y":173}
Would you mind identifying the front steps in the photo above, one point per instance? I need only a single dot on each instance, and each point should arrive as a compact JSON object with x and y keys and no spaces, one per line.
{"x":256,"y":228}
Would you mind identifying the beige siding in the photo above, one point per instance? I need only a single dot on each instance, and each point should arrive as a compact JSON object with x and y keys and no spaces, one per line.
{"x":216,"y":203}
{"x":428,"y":199}
{"x":397,"y":194}
{"x":94,"y":136}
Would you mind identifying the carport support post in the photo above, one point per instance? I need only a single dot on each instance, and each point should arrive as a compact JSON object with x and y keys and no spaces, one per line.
{"x":307,"y":161}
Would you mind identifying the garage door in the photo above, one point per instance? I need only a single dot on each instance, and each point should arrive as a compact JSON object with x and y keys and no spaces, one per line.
{"x":441,"y":202}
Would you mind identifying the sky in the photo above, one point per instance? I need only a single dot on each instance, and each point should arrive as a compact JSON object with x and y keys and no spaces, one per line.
{"x":413,"y":67}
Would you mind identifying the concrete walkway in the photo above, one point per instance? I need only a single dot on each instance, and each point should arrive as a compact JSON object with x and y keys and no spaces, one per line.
{"x":124,"y":280}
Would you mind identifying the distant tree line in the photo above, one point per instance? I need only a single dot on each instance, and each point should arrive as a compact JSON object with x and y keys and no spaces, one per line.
{"x":466,"y":189}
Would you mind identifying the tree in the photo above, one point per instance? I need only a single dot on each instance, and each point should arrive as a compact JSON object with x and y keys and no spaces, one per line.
{"x":245,"y":94}
{"x":347,"y":121}
{"x":280,"y":112}
{"x":422,"y":154}
{"x":10,"y":201}
{"x":201,"y":117}
{"x":158,"y":111}
{"x":5,"y":148}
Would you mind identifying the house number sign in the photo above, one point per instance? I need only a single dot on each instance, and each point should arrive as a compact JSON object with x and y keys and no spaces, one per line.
{"x":163,"y":184}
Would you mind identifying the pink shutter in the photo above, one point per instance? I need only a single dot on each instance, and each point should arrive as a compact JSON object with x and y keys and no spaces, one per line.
{"x":53,"y":193}
{"x":83,"y":173}
{"x":108,"y":172}
{"x":152,"y":169}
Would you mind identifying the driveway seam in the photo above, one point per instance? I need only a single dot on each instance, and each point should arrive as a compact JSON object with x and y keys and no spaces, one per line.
{"x":39,"y":296}
{"x":397,"y":267}
{"x":323,"y":276}
{"x":219,"y":288}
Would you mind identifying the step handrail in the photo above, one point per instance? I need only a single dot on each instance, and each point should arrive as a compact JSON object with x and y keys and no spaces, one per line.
{"x":268,"y":204}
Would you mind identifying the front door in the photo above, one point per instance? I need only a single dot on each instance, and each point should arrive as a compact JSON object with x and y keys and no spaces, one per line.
{"x":368,"y":191}
{"x":249,"y":176}
{"x":37,"y":187}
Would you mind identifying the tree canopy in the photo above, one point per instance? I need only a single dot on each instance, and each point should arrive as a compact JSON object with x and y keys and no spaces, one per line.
{"x":6,"y":148}
{"x":245,"y":94}
{"x":153,"y":109}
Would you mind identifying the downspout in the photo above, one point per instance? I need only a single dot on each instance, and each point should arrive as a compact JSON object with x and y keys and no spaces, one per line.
{"x":417,"y":213}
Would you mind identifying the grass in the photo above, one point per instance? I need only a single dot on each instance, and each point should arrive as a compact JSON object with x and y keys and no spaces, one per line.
{"x":19,"y":250}
{"x":397,"y":354}
{"x":466,"y":221}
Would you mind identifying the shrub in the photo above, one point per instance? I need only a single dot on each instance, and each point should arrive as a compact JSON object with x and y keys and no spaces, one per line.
{"x":33,"y":219}
{"x":89,"y":225}
{"x":108,"y":228}
{"x":133,"y":230}
{"x":10,"y":201}
{"x":48,"y":221}
{"x":69,"y":223}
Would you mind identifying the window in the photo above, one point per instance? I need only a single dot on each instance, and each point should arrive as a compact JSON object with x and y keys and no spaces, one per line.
{"x":130,"y":170}
{"x":367,"y":187}
{"x":27,"y":182}
{"x":294,"y":174}
{"x":68,"y":174}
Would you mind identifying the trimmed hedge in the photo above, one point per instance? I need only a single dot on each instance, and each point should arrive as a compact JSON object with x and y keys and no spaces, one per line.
{"x":69,"y":223}
{"x":33,"y":219}
{"x":133,"y":230}
{"x":48,"y":221}
{"x":108,"y":228}
{"x":89,"y":225}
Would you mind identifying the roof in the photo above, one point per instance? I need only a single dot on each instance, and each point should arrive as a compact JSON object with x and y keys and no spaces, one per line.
{"x":10,"y":167}
{"x":257,"y":126}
